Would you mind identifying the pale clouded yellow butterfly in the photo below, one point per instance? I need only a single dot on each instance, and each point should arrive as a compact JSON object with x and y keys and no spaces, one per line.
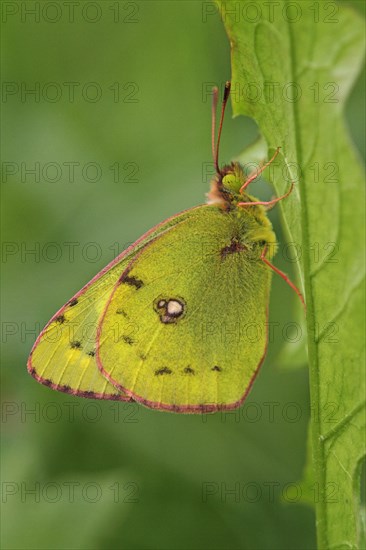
{"x":178,"y":321}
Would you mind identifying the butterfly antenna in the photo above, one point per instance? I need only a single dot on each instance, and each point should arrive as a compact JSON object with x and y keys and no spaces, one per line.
{"x":215,"y":150}
{"x":215,"y":94}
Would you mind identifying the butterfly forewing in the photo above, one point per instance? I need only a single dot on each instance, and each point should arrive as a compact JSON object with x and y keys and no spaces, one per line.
{"x":64,"y":355}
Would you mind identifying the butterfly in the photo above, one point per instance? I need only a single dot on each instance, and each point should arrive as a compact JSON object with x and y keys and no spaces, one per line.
{"x":179,"y":321}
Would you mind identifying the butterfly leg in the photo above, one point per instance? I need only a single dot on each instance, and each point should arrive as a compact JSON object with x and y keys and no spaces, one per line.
{"x":268,"y":203}
{"x":270,"y":207}
{"x":283,"y":275}
{"x":258,"y":172}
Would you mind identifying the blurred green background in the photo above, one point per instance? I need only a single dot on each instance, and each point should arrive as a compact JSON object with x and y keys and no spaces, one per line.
{"x":90,"y":474}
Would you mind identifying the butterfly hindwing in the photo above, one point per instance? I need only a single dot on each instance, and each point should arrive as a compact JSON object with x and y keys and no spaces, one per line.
{"x":185,"y":328}
{"x":63,"y":356}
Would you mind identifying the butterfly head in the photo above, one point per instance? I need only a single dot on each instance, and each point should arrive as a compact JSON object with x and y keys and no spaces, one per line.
{"x":226,"y":186}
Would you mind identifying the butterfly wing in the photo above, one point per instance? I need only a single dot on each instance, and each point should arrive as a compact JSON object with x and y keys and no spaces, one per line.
{"x":198,"y":305}
{"x":63,"y":356}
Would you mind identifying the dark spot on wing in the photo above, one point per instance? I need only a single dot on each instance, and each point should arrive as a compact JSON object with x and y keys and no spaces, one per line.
{"x":60,"y":319}
{"x":73,"y":302}
{"x":164,"y":370}
{"x":128,"y":340}
{"x":75,"y":344}
{"x":32,"y":370}
{"x":47,"y":382}
{"x":132,"y":281}
{"x":232,"y":248}
{"x":121,"y":312}
{"x":216,"y":368}
{"x":142,"y":356}
{"x":66,"y":389}
{"x":189,"y":370}
{"x":91,"y":353}
{"x":88,"y":394}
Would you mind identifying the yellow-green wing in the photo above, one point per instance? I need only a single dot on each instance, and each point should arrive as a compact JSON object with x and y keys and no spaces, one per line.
{"x":63,"y":356}
{"x":197,"y":298}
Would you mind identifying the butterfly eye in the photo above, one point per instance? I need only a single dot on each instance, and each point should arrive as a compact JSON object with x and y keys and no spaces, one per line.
{"x":262,"y":243}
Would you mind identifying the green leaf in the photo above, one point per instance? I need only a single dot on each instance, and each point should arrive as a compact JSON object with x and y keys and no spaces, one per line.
{"x":292,"y":70}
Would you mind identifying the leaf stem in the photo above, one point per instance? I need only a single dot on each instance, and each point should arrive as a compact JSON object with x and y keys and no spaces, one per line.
{"x":316,"y":436}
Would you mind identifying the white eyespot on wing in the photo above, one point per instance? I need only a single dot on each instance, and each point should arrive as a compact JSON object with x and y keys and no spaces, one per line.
{"x":170,"y":310}
{"x":174,"y":308}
